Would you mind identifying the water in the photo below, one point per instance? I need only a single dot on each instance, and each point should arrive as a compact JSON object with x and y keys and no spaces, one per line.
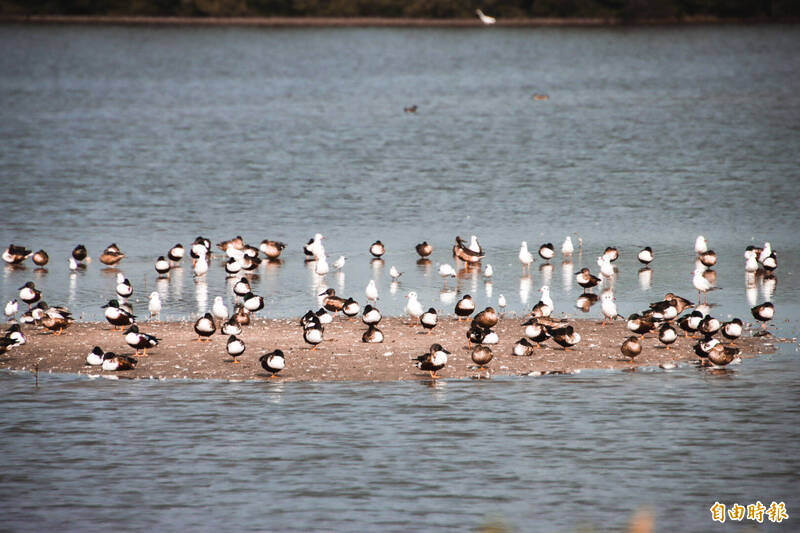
{"x":151,"y":136}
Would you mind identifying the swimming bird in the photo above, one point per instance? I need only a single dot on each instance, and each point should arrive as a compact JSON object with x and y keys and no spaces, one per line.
{"x":40,"y":258}
{"x":639,"y":324}
{"x":609,"y":307}
{"x":15,"y":255}
{"x":205,"y":327}
{"x":429,"y":319}
{"x":313,"y":333}
{"x":446,"y":270}
{"x":733,"y":329}
{"x":273,"y":362}
{"x":424,"y":249}
{"x":15,"y":335}
{"x":667,"y":335}
{"x":272,"y":249}
{"x":433,"y":360}
{"x":465,"y":307}
{"x":350,"y":308}
{"x":486,"y":19}
{"x":219,"y":310}
{"x":394,"y":273}
{"x":253,"y":302}
{"x":546,"y":251}
{"x":564,"y":335}
{"x":763,"y":313}
{"x":112,"y":255}
{"x":567,"y":248}
{"x":331,"y":302}
{"x":377,"y":249}
{"x":95,"y":357}
{"x":114,"y":362}
{"x":525,"y":257}
{"x":124,"y":287}
{"x":140,"y":341}
{"x":11,"y":309}
{"x":162,"y":266}
{"x":154,"y":304}
{"x":79,"y":253}
{"x":481,"y":355}
{"x":230,"y":327}
{"x":413,"y":307}
{"x":371,"y":291}
{"x":372,"y":335}
{"x":586,"y":279}
{"x":116,"y":315}
{"x":339,"y":263}
{"x":487,"y":318}
{"x":370,"y":316}
{"x":471,"y":252}
{"x":631,"y":347}
{"x":235,"y":347}
{"x":700,"y":245}
{"x":522,"y":347}
{"x":645,"y":255}
{"x":176,"y":253}
{"x":29,"y":294}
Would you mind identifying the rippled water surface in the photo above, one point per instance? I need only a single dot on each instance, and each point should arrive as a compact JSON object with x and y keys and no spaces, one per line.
{"x":151,"y":136}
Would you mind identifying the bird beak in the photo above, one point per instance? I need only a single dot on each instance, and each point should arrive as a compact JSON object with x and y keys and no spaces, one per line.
{"x":323,"y":293}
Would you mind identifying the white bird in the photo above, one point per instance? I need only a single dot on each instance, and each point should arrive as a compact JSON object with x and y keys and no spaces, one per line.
{"x":700,"y":245}
{"x":525,"y":256}
{"x":765,"y":252}
{"x":701,"y":284}
{"x":488,"y":271}
{"x":73,"y":264}
{"x":608,"y":306}
{"x":371,"y":291}
{"x":545,"y":299}
{"x":501,"y":302}
{"x":339,"y":263}
{"x":394,"y":273}
{"x":219,"y":309}
{"x":474,"y":245}
{"x":567,"y":248}
{"x":413,"y":307}
{"x":486,"y":19}
{"x":124,"y":287}
{"x":321,"y":268}
{"x":11,"y":309}
{"x":446,"y":270}
{"x":751,"y":261}
{"x":606,"y":268}
{"x":201,"y":265}
{"x":154,"y":305}
{"x":315,"y":247}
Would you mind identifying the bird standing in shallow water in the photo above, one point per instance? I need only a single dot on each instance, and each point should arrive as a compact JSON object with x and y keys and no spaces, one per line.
{"x":763,"y":313}
{"x":424,"y":249}
{"x":377,"y":249}
{"x":371,"y":291}
{"x":446,"y":271}
{"x":525,"y":257}
{"x":154,"y":304}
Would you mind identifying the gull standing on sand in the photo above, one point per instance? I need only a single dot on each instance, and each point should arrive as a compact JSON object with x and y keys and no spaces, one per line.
{"x":525,"y":257}
{"x":486,"y":19}
{"x":371,"y":291}
{"x":608,"y":306}
{"x":413,"y":308}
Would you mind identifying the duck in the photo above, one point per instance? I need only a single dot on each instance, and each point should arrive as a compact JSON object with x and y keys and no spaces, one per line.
{"x":176,"y":253}
{"x":154,"y":304}
{"x":371,"y":291}
{"x":433,"y":360}
{"x":57,"y":319}
{"x":547,"y":251}
{"x":535,"y":331}
{"x":611,"y":253}
{"x":112,"y":255}
{"x":241,"y":288}
{"x":720,"y":355}
{"x":114,"y":362}
{"x":770,"y":263}
{"x":372,"y":335}
{"x":481,"y":356}
{"x":235,"y":347}
{"x":15,"y":335}
{"x":232,"y":267}
{"x":413,"y":307}
{"x":764,"y":252}
{"x":40,"y":258}
{"x":377,"y":249}
{"x":486,"y":19}
{"x":567,"y":247}
{"x":324,"y":316}
{"x":117,"y":316}
{"x":708,"y":258}
{"x":241,"y":315}
{"x":230,"y":327}
{"x":732,"y":329}
{"x":586,"y":279}
{"x":271,"y":249}
{"x":11,"y":309}
{"x":645,"y":255}
{"x":525,"y":257}
{"x":639,"y":324}
{"x":664,"y":310}
{"x":709,"y":326}
{"x":565,"y":336}
{"x":370,"y":316}
{"x":446,"y":271}
{"x":667,"y":335}
{"x":465,"y":307}
{"x":237,"y":243}
{"x":80,"y":253}
{"x":608,"y":307}
{"x":763,"y":313}
{"x":162,"y":266}
{"x":201,"y":247}
{"x":471,"y":252}
{"x":487,"y":318}
{"x":29,"y":294}
{"x":313,"y":333}
{"x":95,"y":357}
{"x":478,"y":334}
{"x":541,"y":310}
{"x":331,"y":302}
{"x":253,"y":302}
{"x":690,"y":323}
{"x":429,"y":319}
{"x":410,"y":108}
{"x":219,"y":310}
{"x":631,"y":347}
{"x":124,"y":287}
{"x":140,"y":341}
{"x":681,"y":303}
{"x":205,"y":327}
{"x":522,"y":347}
{"x":14,"y":255}
{"x":350,"y":308}
{"x":424,"y":249}
{"x":273,"y":362}
{"x":702,"y":349}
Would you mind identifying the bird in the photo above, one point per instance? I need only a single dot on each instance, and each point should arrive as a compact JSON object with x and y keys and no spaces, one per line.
{"x":606,"y":268}
{"x":124,"y":287}
{"x":40,"y":258}
{"x":29,"y":294}
{"x":525,"y":257}
{"x":764,"y":252}
{"x":331,"y":302}
{"x":487,"y":318}
{"x":377,"y":249}
{"x":241,"y":288}
{"x":424,"y":249}
{"x":481,"y":355}
{"x":546,"y":251}
{"x":680,"y":303}
{"x":272,"y":249}
{"x":446,"y":271}
{"x":339,"y":263}
{"x":471,"y":252}
{"x":501,"y":302}
{"x":73,"y":265}
{"x":253,"y":302}
{"x":219,"y":310}
{"x":433,"y":360}
{"x":154,"y":304}
{"x":79,"y":253}
{"x":370,"y":316}
{"x":140,"y":341}
{"x":176,"y":253}
{"x":11,"y":309}
{"x":631,"y":347}
{"x":237,"y":243}
{"x":273,"y":362}
{"x":95,"y":357}
{"x":770,"y":263}
{"x":323,"y":316}
{"x":57,"y":319}
{"x":117,"y":316}
{"x":667,"y":335}
{"x":535,"y":331}
{"x":751,"y":261}
{"x":205,"y":327}
{"x":639,"y":324}
{"x":709,"y":326}
{"x":645,"y":255}
{"x":230,"y":327}
{"x":732,"y":329}
{"x":546,"y":299}
{"x":689,"y":323}
{"x":488,"y":271}
{"x":372,"y":335}
{"x":487,"y":20}
{"x":15,"y":335}
{"x":413,"y":307}
{"x":233,"y":266}
{"x":701,"y":284}
{"x":241,"y":315}
{"x":313,"y":333}
{"x":721,"y":355}
{"x":664,"y":310}
{"x":350,"y":308}
{"x":371,"y":291}
{"x":235,"y":347}
{"x":586,"y":279}
{"x":763,"y":313}
{"x":200,"y":266}
{"x":611,"y":253}
{"x":394,"y":273}
{"x":162,"y":266}
{"x":15,"y":255}
{"x":700,"y":244}
{"x":567,"y":248}
{"x":608,"y":306}
{"x":410,"y":108}
{"x":708,"y":258}
{"x":465,"y":307}
{"x":114,"y":362}
{"x":522,"y":347}
{"x":201,"y":247}
{"x":585,"y":301}
{"x":564,"y":335}
{"x":112,"y":255}
{"x":321,"y":267}
{"x":429,"y":319}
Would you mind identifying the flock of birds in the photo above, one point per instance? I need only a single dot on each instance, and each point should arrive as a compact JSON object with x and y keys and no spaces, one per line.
{"x":663,"y":318}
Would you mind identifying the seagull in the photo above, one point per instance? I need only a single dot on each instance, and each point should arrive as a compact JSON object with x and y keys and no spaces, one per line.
{"x":567,"y":248}
{"x":73,"y":265}
{"x":219,"y":310}
{"x":339,"y":263}
{"x":201,"y":265}
{"x":371,"y":291}
{"x":394,"y":273}
{"x":321,"y":268}
{"x":608,"y":306}
{"x":488,"y":271}
{"x":501,"y":302}
{"x":446,"y":270}
{"x":545,"y":299}
{"x":12,"y":306}
{"x":701,"y":284}
{"x":525,"y":257}
{"x":700,"y":245}
{"x":413,"y":308}
{"x":154,"y":304}
{"x":485,"y":18}
{"x":606,"y":268}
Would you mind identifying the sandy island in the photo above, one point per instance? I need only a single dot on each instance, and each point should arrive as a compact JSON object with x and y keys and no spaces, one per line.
{"x":342,"y":355}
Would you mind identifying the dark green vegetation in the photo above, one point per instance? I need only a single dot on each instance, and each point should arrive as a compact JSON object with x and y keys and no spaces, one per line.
{"x":625,"y":10}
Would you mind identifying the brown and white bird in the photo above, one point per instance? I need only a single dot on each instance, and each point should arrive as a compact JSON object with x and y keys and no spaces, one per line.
{"x":465,"y":307}
{"x":631,"y":347}
{"x":429,"y":319}
{"x":205,"y":327}
{"x":763,"y":313}
{"x":112,"y":255}
{"x":273,"y":362}
{"x":433,"y":360}
{"x":424,"y":249}
{"x":481,"y":355}
{"x":377,"y":249}
{"x":667,"y":335}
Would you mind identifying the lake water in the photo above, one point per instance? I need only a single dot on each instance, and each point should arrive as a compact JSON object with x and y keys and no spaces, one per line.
{"x":650,"y":136}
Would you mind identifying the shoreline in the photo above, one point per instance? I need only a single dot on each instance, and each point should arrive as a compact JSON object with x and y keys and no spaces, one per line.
{"x":377,"y":22}
{"x":342,"y":356}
